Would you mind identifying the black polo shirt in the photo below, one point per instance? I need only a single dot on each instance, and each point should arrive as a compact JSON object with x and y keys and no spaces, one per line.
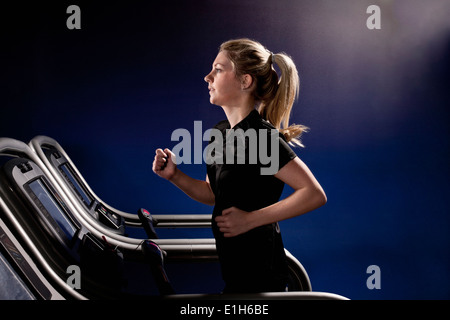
{"x":254,"y":261}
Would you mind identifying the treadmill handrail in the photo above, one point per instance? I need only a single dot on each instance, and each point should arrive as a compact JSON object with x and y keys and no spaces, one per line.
{"x":164,"y":221}
{"x":36,"y":145}
{"x":299,"y":271}
{"x":183,"y":220}
{"x":298,"y":295}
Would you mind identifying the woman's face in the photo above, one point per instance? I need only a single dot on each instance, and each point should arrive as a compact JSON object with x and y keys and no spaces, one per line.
{"x":224,"y":87}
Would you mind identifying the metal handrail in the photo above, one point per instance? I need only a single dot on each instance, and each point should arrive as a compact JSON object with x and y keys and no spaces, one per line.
{"x":164,"y":221}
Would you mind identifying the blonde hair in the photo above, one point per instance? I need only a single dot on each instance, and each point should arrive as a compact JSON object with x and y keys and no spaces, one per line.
{"x":275,"y":95}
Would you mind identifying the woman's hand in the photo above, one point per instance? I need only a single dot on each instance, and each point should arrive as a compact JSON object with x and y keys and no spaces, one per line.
{"x":164,"y":164}
{"x":234,"y":221}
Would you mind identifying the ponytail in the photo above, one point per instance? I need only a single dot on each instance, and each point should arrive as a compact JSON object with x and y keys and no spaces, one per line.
{"x":277,"y":110}
{"x":276,"y":95}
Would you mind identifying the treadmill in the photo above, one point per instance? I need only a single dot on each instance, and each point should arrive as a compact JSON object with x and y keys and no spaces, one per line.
{"x":57,"y":221}
{"x":73,"y":183}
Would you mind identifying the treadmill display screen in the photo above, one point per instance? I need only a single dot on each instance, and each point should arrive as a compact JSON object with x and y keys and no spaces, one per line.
{"x":75,"y":185}
{"x":52,"y":206}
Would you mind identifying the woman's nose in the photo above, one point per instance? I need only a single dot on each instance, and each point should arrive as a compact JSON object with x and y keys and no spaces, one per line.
{"x":208,"y":78}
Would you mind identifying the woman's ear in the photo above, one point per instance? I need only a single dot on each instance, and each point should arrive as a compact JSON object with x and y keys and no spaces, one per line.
{"x":246,"y":81}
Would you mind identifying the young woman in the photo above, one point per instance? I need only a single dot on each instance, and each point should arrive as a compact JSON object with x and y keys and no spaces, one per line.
{"x":247,"y":208}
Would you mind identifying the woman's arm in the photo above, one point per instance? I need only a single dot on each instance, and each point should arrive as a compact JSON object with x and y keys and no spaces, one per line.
{"x":165,"y":167}
{"x":196,"y":189}
{"x":307,"y":196}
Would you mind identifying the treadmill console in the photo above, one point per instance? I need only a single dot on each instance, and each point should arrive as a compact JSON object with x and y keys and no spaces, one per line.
{"x":94,"y":207}
{"x":49,"y":218}
{"x":108,"y":217}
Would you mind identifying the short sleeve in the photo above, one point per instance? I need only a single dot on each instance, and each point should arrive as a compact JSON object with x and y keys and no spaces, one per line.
{"x":276,"y":154}
{"x":286,"y":153}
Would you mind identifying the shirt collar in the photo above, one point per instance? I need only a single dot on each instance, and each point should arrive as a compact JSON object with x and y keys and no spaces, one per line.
{"x":248,"y":121}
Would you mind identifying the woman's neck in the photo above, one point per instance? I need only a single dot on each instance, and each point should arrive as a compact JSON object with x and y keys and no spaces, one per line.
{"x":237,"y":114}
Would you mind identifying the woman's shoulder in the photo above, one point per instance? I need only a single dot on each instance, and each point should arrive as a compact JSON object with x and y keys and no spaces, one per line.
{"x":264,"y":124}
{"x":271,"y":130}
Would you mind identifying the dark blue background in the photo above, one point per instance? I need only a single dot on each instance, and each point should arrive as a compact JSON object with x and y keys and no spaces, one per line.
{"x":376,"y":102}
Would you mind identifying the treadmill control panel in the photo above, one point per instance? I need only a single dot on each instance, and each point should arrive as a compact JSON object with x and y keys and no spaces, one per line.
{"x":79,"y":189}
{"x":108,"y":217}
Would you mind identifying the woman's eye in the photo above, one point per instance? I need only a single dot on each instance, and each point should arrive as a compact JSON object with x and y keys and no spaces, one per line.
{"x":218,"y":70}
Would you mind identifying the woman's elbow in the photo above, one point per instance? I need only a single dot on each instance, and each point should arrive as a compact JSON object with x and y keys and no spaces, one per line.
{"x":210,"y":201}
{"x":324,"y":198}
{"x":321,"y":197}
